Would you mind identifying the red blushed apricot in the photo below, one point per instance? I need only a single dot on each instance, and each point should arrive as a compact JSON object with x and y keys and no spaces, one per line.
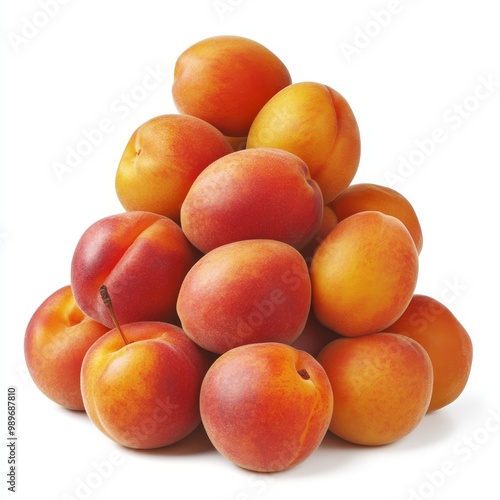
{"x":266,"y":407}
{"x":361,"y":197}
{"x":56,"y":340}
{"x":225,"y":80}
{"x":364,"y":274}
{"x":382,"y":385}
{"x":141,"y":257}
{"x":254,"y":193}
{"x":245,"y":292}
{"x":448,"y":344}
{"x":317,"y":124}
{"x":162,"y":159}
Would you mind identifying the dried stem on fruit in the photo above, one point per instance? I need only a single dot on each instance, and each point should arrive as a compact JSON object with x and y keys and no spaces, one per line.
{"x":109,"y":305}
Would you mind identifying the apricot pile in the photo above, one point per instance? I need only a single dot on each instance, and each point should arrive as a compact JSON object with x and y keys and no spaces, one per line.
{"x":249,"y":286}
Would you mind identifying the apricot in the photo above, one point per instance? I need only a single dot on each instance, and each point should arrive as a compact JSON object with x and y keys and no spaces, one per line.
{"x":260,"y":193}
{"x":316,"y":123}
{"x":382,"y":385}
{"x":364,"y":274}
{"x":245,"y":292}
{"x":141,"y":257}
{"x":225,"y":80}
{"x":448,"y":344}
{"x":162,"y":159}
{"x":366,"y":196}
{"x":145,"y":393}
{"x":56,"y":340}
{"x":266,"y":407}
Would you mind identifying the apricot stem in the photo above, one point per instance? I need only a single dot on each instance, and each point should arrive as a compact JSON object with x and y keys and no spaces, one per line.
{"x":103,"y":290}
{"x":303,"y":373}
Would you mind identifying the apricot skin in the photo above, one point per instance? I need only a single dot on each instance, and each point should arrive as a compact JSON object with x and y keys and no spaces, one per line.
{"x":316,"y":123}
{"x":56,"y":340}
{"x":448,"y":344}
{"x":141,"y":257}
{"x":382,"y":385}
{"x":259,"y":193}
{"x":367,"y":196}
{"x":364,"y":274}
{"x":144,"y":394}
{"x":314,"y":336}
{"x":328,"y":222}
{"x":225,"y":80}
{"x":162,"y":159}
{"x":266,"y":407}
{"x":245,"y":292}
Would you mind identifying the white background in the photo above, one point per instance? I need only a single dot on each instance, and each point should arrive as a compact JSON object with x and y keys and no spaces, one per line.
{"x":408,"y":78}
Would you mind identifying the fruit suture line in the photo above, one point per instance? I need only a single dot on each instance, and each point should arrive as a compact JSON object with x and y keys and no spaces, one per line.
{"x":245,"y":304}
{"x":12,"y":458}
